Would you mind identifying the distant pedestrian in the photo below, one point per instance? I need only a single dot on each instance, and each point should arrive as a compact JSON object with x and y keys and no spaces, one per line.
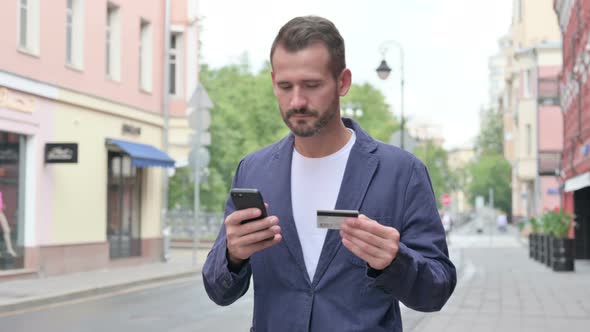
{"x":447,"y":222}
{"x":502,"y":222}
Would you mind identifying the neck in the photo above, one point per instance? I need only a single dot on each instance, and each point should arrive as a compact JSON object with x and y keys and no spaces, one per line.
{"x":325,"y":143}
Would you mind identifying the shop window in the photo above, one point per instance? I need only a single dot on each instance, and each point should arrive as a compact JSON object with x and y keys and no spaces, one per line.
{"x":11,"y":215}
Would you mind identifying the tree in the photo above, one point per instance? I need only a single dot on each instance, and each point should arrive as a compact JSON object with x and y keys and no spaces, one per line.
{"x":491,"y":137}
{"x":376,"y":119}
{"x":491,"y":171}
{"x":436,"y":160}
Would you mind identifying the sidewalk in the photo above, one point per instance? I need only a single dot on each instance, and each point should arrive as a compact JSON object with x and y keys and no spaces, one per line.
{"x":501,"y":289}
{"x":30,"y":293}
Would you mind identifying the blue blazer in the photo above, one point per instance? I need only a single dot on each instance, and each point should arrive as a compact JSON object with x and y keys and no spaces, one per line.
{"x":383,"y":182}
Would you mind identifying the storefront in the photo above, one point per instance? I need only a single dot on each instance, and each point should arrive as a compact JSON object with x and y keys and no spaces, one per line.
{"x":80,"y":189}
{"x":12,"y":161}
{"x":126,"y":163}
{"x":577,"y":200}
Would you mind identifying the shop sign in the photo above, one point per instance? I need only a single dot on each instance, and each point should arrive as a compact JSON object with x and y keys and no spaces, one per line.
{"x":8,"y":153}
{"x":131,"y":130}
{"x":16,"y":101}
{"x":61,"y":153}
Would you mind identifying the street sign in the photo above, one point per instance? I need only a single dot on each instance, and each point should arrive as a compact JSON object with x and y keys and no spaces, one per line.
{"x":445,"y":199}
{"x":200,"y":158}
{"x":204,"y":139}
{"x":194,"y":116}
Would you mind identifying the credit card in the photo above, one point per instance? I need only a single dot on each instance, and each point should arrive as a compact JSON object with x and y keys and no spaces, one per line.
{"x":331,"y":219}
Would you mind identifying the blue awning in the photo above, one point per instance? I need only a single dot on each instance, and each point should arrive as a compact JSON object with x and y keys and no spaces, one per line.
{"x":143,"y":155}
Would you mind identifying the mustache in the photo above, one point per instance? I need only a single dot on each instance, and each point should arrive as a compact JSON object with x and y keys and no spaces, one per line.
{"x":301,"y":111}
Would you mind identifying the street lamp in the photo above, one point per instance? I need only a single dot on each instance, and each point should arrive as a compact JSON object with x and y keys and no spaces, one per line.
{"x":383,"y":72}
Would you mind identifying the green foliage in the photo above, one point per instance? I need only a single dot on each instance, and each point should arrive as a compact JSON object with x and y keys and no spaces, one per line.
{"x":491,"y":171}
{"x":180,"y":189}
{"x":436,"y":160}
{"x":490,"y":140}
{"x":535,"y":225}
{"x":556,"y":223}
{"x":377,"y":120}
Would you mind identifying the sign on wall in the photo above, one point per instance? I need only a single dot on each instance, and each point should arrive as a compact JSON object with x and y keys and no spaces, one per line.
{"x":61,"y":153}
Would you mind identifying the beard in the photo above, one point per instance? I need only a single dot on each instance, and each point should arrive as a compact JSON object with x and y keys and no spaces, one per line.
{"x":311,"y":126}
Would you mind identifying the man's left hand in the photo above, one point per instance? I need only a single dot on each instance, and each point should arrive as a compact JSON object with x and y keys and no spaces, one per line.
{"x":374,"y":243}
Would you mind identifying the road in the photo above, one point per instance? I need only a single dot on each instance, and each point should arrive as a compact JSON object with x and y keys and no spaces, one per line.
{"x":176,"y":307}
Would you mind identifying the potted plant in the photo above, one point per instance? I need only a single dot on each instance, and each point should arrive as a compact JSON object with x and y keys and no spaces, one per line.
{"x":562,"y":247}
{"x":547,"y":221}
{"x":534,"y":238}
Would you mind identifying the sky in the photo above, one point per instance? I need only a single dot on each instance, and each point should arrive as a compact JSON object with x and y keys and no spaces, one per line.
{"x":446,"y":44}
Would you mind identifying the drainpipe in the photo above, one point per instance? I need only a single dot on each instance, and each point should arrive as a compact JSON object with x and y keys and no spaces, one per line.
{"x":165,"y":129}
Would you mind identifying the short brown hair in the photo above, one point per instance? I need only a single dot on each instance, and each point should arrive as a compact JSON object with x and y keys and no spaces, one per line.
{"x":301,"y":32}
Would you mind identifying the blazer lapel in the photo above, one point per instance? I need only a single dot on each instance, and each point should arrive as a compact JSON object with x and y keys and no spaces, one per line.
{"x":358,"y":174}
{"x":280,"y":194}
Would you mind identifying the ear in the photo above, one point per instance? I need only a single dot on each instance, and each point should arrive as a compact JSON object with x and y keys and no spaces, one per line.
{"x":344,"y":82}
{"x":274,"y":86}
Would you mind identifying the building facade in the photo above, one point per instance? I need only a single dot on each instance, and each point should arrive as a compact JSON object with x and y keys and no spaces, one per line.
{"x":573,"y":16}
{"x":532,"y":121}
{"x":87,"y":130}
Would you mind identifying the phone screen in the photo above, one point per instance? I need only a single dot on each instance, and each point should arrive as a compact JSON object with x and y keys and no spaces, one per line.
{"x":244,"y":198}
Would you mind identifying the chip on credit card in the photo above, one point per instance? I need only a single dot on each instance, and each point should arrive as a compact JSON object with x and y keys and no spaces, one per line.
{"x":331,"y":219}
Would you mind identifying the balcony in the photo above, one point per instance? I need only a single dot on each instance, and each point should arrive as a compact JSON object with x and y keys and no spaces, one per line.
{"x":548,"y":91}
{"x":548,"y":162}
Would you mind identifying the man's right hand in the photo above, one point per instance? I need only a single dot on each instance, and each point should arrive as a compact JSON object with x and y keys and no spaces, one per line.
{"x":245,"y":239}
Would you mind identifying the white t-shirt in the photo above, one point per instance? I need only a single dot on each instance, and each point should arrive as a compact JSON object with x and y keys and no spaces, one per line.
{"x":315,"y":184}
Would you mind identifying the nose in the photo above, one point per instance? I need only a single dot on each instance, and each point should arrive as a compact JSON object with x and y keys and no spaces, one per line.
{"x":298,"y":99}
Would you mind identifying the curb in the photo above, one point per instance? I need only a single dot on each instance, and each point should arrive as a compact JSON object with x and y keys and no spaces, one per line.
{"x":100,"y":290}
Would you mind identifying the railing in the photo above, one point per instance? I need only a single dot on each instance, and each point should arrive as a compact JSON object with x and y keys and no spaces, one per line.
{"x":183,"y":225}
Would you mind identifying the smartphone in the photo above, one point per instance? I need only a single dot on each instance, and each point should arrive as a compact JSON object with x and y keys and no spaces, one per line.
{"x":245,"y":198}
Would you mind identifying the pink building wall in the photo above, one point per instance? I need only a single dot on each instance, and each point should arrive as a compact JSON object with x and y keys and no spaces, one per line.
{"x":50,"y":65}
{"x":550,"y":128}
{"x":549,"y":193}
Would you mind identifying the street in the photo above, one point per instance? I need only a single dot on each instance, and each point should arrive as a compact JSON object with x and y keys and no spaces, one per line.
{"x":499,"y":289}
{"x":177,"y":307}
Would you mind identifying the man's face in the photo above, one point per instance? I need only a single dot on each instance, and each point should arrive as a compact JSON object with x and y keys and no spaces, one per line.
{"x":306,"y":91}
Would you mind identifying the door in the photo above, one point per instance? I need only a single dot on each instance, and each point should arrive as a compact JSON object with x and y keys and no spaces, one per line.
{"x":124,"y":210}
{"x":582,"y":229}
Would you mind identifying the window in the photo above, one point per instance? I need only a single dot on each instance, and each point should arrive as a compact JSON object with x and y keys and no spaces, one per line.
{"x":113,"y":43}
{"x":518,"y":11}
{"x":145,"y":56}
{"x":28,"y":26}
{"x":12,"y":170}
{"x":175,"y":63}
{"x":74,"y":33}
{"x":529,"y":139}
{"x":527,"y":83}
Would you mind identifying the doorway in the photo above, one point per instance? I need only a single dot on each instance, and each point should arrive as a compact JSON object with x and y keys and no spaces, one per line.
{"x":582,"y":219}
{"x":123,"y":207}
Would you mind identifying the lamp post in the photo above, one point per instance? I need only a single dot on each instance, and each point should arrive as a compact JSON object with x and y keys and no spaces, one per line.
{"x":383,"y":72}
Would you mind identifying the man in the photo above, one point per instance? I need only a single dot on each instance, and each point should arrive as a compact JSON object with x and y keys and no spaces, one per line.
{"x":307,"y":278}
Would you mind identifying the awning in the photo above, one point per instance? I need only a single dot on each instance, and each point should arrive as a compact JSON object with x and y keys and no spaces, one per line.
{"x":143,"y":155}
{"x":577,"y":183}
